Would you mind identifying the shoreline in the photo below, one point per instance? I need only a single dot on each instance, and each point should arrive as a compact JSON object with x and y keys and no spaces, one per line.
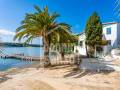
{"x":6,"y":74}
{"x":67,"y":78}
{"x":30,"y":77}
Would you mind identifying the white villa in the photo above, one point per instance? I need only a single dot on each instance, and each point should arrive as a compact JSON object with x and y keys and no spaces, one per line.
{"x":111,"y":33}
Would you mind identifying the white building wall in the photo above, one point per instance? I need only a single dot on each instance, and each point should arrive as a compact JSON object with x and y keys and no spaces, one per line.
{"x":112,"y":36}
{"x":118,"y":33}
{"x":81,"y":49}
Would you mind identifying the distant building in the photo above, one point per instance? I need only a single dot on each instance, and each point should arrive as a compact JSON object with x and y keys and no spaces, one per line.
{"x":111,"y":33}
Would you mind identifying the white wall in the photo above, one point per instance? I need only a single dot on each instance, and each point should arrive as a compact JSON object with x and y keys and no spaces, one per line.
{"x":112,"y":36}
{"x":81,"y":49}
{"x":118,"y":33}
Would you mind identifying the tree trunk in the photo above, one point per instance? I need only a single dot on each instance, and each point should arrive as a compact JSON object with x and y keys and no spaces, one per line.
{"x":86,"y":50}
{"x":95,"y":52}
{"x":62,"y":51}
{"x":46,"y":52}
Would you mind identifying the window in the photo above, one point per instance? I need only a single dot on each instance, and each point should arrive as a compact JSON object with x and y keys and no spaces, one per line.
{"x":81,"y":43}
{"x":108,"y":31}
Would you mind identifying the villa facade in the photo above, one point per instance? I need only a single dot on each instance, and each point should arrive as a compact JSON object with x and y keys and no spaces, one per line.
{"x":111,"y":33}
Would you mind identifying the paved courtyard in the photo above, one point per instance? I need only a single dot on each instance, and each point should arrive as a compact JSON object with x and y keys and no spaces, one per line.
{"x":95,"y":64}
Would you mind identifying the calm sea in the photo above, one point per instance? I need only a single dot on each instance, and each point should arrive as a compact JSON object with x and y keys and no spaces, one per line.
{"x":11,"y":63}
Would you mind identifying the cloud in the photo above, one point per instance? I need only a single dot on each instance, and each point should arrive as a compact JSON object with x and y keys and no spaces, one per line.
{"x":6,"y":32}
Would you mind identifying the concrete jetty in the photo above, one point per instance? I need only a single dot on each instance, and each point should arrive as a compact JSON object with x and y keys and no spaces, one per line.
{"x":21,"y":57}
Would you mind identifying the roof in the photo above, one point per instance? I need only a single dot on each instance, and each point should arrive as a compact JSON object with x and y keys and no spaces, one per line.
{"x":106,"y":23}
{"x":110,"y":23}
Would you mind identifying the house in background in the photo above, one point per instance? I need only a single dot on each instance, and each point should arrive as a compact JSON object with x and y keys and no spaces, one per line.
{"x":111,"y":33}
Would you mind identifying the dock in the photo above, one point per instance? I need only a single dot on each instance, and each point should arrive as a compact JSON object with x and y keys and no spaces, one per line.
{"x":21,"y":57}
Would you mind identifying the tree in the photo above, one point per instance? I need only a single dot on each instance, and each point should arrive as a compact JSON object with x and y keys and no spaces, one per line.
{"x":66,"y":39}
{"x":93,"y":32}
{"x":41,"y":24}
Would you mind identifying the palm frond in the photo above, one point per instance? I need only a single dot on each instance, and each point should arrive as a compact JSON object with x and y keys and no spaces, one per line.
{"x":37,"y":9}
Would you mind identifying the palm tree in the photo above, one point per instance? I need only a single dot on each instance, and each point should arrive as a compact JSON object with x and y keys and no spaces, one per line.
{"x":65,"y":38}
{"x":41,"y":24}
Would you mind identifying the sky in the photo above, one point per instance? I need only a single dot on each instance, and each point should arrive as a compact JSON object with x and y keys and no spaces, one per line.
{"x":72,"y":12}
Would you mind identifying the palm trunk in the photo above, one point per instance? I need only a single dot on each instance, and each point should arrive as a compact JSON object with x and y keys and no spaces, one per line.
{"x":62,"y":51}
{"x":46,"y":52}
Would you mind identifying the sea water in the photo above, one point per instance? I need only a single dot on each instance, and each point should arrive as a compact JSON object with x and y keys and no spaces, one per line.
{"x":11,"y":63}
